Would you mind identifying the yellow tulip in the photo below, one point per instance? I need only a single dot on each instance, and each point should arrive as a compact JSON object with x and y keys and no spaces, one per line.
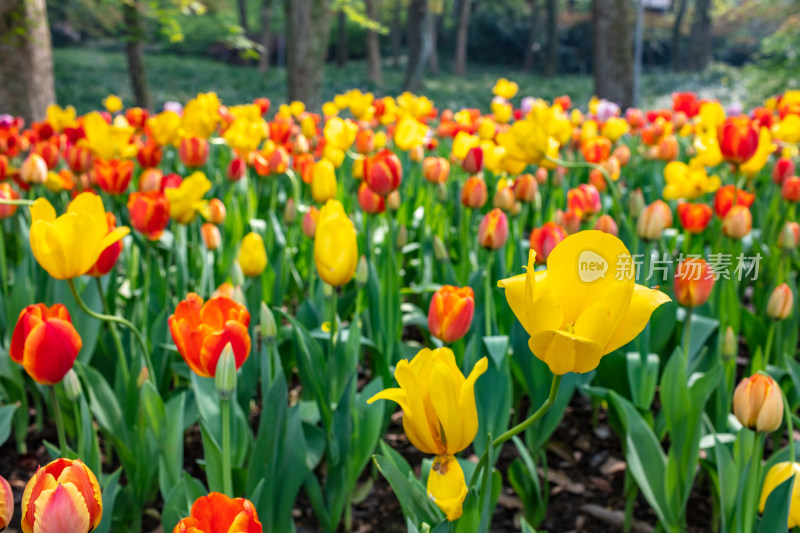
{"x":463,"y":142}
{"x":200,"y":116}
{"x":340,"y":133}
{"x":688,"y":181}
{"x":323,"y":181}
{"x":439,"y":412}
{"x":585,"y":305}
{"x":186,"y":200}
{"x":409,"y":133}
{"x":614,"y":128}
{"x":329,"y":109}
{"x":109,"y":141}
{"x":68,"y":246}
{"x":447,"y":487}
{"x":502,"y":111}
{"x":335,"y":245}
{"x":252,"y":255}
{"x":61,"y":118}
{"x":505,"y":88}
{"x":708,"y":152}
{"x":777,"y":475}
{"x":112,"y":103}
{"x":164,"y":128}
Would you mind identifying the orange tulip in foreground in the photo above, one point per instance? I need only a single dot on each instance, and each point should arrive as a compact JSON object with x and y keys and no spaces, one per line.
{"x":450,"y":313}
{"x":758,"y":404}
{"x":693,"y":282}
{"x":544,"y":239}
{"x":202,"y":330}
{"x":63,"y":496}
{"x":738,"y":139}
{"x":45,"y":343}
{"x":694,"y":217}
{"x":217,"y":513}
{"x":6,"y":503}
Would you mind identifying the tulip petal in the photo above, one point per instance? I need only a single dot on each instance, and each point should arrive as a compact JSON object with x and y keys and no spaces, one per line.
{"x":42,"y":210}
{"x":50,"y":351}
{"x":445,"y":392}
{"x":60,"y":510}
{"x":416,"y":420}
{"x":447,"y":487}
{"x":565,"y":352}
{"x":643,"y":302}
{"x":396,"y":395}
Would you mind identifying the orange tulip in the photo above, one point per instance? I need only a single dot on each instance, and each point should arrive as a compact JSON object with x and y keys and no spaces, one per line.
{"x":193,"y":151}
{"x":738,"y":222}
{"x":607,"y":224}
{"x":724,"y":199}
{"x":450,"y":313}
{"x":108,"y":257}
{"x":596,"y":149}
{"x":137,"y":117}
{"x":7,"y":192}
{"x":202,"y":330}
{"x":45,"y":343}
{"x":544,"y":239}
{"x":435,"y":169}
{"x":6,"y":503}
{"x":584,"y":200}
{"x":62,"y":496}
{"x":693,"y":282}
{"x":474,"y":193}
{"x":217,"y":513}
{"x":211,"y":236}
{"x":493,"y":230}
{"x":370,"y":201}
{"x":383,"y":172}
{"x":694,"y":217}
{"x":790,"y":191}
{"x":149,"y":154}
{"x":78,"y":158}
{"x":113,"y":175}
{"x":738,"y":139}
{"x":525,"y":188}
{"x":149,"y":213}
{"x":655,"y":218}
{"x":216,"y":211}
{"x":758,"y":404}
{"x":781,"y":303}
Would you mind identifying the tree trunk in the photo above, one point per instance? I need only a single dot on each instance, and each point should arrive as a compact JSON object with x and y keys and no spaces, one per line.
{"x":676,"y":35}
{"x":433,"y":65}
{"x":395,"y":30}
{"x":135,"y":51}
{"x":700,"y":54}
{"x":613,"y":57}
{"x":373,"y":48}
{"x":419,"y":44}
{"x":266,"y":36}
{"x":26,"y":59}
{"x":533,"y":23}
{"x":308,"y":28}
{"x":552,"y":38}
{"x":243,"y":15}
{"x":341,"y":40}
{"x":462,"y":34}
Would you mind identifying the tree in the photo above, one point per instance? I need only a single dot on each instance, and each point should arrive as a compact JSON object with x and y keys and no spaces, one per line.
{"x":433,"y":23}
{"x":134,"y":48}
{"x":308,"y":28}
{"x":552,"y":38}
{"x":700,"y":40}
{"x":676,"y":35}
{"x":533,"y":24}
{"x":341,"y":39}
{"x":613,"y":56}
{"x":242,"y":4}
{"x":266,"y":36}
{"x":373,"y":47}
{"x":462,"y":34}
{"x":26,"y":59}
{"x":419,"y":44}
{"x":395,"y":33}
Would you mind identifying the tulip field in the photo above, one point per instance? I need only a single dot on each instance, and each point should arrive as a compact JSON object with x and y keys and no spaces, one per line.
{"x":228,"y":317}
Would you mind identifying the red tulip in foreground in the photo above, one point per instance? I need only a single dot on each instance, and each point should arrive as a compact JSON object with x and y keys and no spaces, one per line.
{"x":217,"y":513}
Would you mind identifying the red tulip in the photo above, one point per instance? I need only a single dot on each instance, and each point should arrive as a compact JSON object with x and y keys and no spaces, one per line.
{"x":370,"y":201}
{"x":724,"y":199}
{"x":584,"y":200}
{"x":193,"y":151}
{"x":790,"y":191}
{"x":113,"y":175}
{"x":544,"y":239}
{"x":149,"y":213}
{"x":694,"y":217}
{"x":450,"y":313}
{"x":383,"y":172}
{"x":108,"y":257}
{"x":596,"y":149}
{"x":738,"y":139}
{"x":217,"y":513}
{"x":493,"y":230}
{"x":473,"y":161}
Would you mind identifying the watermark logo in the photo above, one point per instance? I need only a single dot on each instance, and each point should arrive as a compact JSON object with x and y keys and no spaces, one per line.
{"x":591,"y":266}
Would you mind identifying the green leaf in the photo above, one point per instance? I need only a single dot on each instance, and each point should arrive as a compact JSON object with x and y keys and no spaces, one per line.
{"x":776,"y":510}
{"x":409,"y":491}
{"x":109,"y":494}
{"x":6,"y":421}
{"x":642,"y":378}
{"x":498,"y":348}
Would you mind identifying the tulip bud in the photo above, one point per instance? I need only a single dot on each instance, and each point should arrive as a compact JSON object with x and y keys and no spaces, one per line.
{"x":474,"y":193}
{"x":237,"y":276}
{"x":473,"y":161}
{"x":636,"y":203}
{"x":144,"y":375}
{"x":300,"y":144}
{"x":450,"y":313}
{"x":237,"y":169}
{"x":383,"y":172}
{"x":596,"y":149}
{"x":72,"y":386}
{"x":416,"y":154}
{"x":7,"y":192}
{"x":738,"y":139}
{"x":654,"y":220}
{"x":504,"y":199}
{"x":290,"y":212}
{"x":789,"y":236}
{"x":323,"y":182}
{"x":225,"y":375}
{"x":584,"y":200}
{"x":252,"y":255}
{"x":544,"y":239}
{"x":34,"y":169}
{"x":149,"y":155}
{"x":758,"y":403}
{"x":667,"y":148}
{"x":569,"y":220}
{"x":362,"y":272}
{"x":310,"y":222}
{"x":541,"y":175}
{"x":693,"y":282}
{"x":781,"y":302}
{"x":370,"y":201}
{"x":393,"y":200}
{"x":441,"y":193}
{"x":790,"y":190}
{"x":6,"y":503}
{"x":730,"y":344}
{"x":607,"y":224}
{"x":216,"y":211}
{"x":738,"y":222}
{"x":211,"y":236}
{"x":150,"y":180}
{"x":623,"y":154}
{"x":493,"y":229}
{"x":268,"y":326}
{"x":784,"y":167}
{"x":402,"y":236}
{"x":440,"y":250}
{"x":435,"y":169}
{"x":525,"y":188}
{"x":193,"y":151}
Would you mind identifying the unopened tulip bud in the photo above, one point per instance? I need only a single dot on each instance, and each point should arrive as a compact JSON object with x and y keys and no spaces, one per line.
{"x":211,"y":236}
{"x":781,"y":302}
{"x":150,"y":180}
{"x":738,"y":222}
{"x":440,"y":250}
{"x":493,"y":229}
{"x":225,"y":376}
{"x":393,"y":200}
{"x":693,"y":282}
{"x":790,"y":190}
{"x":504,"y":199}
{"x":362,"y":272}
{"x":525,"y":188}
{"x":607,"y":224}
{"x":6,"y":503}
{"x":473,"y":162}
{"x":730,"y":344}
{"x":237,"y":169}
{"x":300,"y":144}
{"x":541,"y":175}
{"x":758,"y":403}
{"x":474,"y":193}
{"x":237,"y":276}
{"x":144,"y":375}
{"x":636,"y":203}
{"x":654,"y":220}
{"x":784,"y":167}
{"x":402,"y":236}
{"x":72,"y":386}
{"x":789,"y":236}
{"x":216,"y":211}
{"x":623,"y":154}
{"x":34,"y":169}
{"x":268,"y":326}
{"x":290,"y":212}
{"x":416,"y":154}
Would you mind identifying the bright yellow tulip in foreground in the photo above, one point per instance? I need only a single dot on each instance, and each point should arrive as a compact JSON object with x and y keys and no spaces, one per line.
{"x":68,"y":246}
{"x":585,"y":305}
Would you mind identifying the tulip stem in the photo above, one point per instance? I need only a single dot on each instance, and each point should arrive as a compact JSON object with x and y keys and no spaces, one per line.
{"x":227,"y":474}
{"x":123,"y":361}
{"x":687,"y":326}
{"x":487,"y":295}
{"x":5,"y":201}
{"x":522,"y":426}
{"x":62,"y":438}
{"x":767,"y":355}
{"x":787,"y":414}
{"x":333,"y":320}
{"x":119,"y":320}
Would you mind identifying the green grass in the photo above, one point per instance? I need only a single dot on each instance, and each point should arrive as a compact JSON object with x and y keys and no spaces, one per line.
{"x":85,"y":76}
